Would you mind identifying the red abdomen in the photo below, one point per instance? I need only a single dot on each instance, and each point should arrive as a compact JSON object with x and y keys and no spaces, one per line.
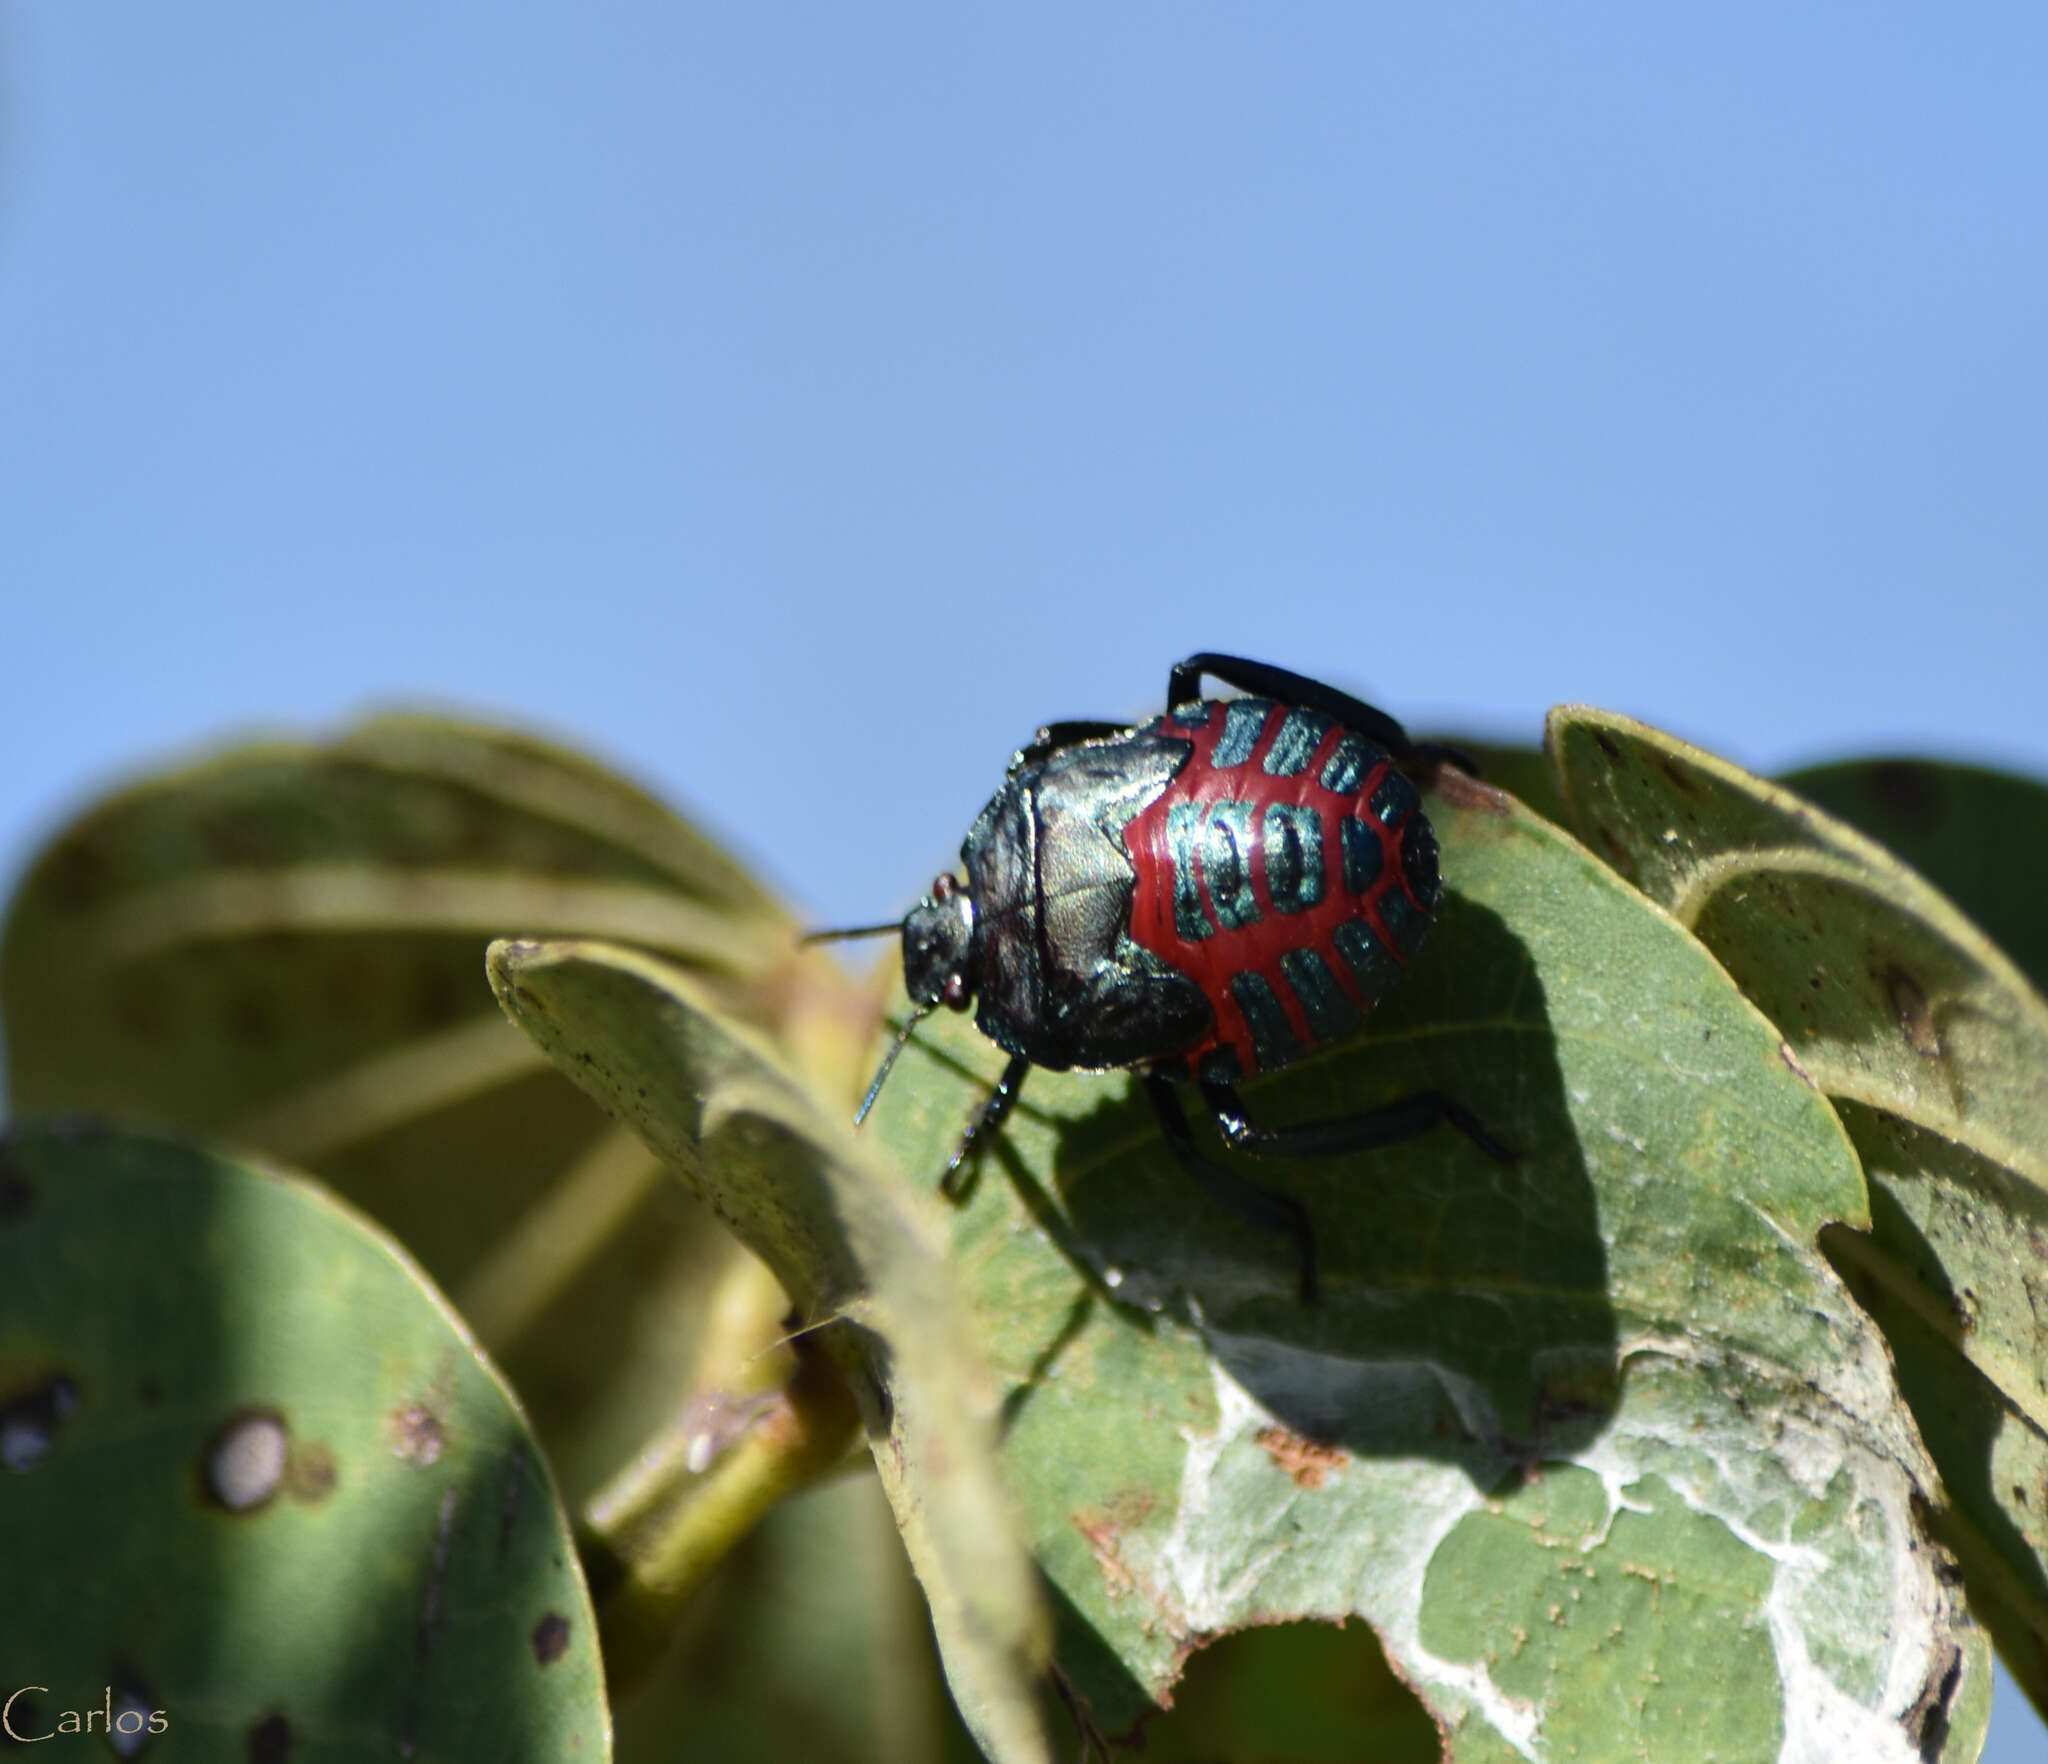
{"x":1288,"y":870}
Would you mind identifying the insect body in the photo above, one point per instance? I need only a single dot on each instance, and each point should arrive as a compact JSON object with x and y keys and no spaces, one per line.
{"x":1208,"y":895}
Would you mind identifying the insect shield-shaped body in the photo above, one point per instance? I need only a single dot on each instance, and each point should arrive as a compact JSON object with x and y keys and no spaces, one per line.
{"x":1206,"y":896}
{"x":1217,"y":892}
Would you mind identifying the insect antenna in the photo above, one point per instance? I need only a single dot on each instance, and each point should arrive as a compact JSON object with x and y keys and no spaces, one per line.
{"x":833,"y":936}
{"x":889,"y":1059}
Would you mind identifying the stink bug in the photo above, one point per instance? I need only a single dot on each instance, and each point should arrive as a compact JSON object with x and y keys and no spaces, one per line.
{"x":1206,"y":896}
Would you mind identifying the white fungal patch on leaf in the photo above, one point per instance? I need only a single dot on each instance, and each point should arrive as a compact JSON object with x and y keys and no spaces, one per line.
{"x":1853,"y":1607}
{"x":1235,"y":1550}
{"x":1671,"y":1538}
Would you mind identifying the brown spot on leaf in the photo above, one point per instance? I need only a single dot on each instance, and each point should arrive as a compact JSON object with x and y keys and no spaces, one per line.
{"x":1791,"y":1060}
{"x":1915,"y":1018}
{"x":1681,"y":776}
{"x":550,"y":1638}
{"x":1130,"y":1507}
{"x":416,"y":1434}
{"x":1104,"y":1528}
{"x":1307,"y":1461}
{"x":270,"y":1740}
{"x":1910,"y":791}
{"x":1104,"y":1538}
{"x":310,"y":1474}
{"x":1463,"y":791}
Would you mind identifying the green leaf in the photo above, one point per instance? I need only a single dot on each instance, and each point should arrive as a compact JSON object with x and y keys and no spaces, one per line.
{"x":1934,"y":1050}
{"x":259,"y":1479}
{"x":282,"y":948}
{"x":284,"y":944}
{"x":1596,"y":1442}
{"x":1979,"y":836}
{"x":850,"y":1248}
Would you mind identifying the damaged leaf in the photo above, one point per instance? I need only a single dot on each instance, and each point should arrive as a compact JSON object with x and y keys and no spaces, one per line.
{"x":1980,"y":836}
{"x":273,"y":1494}
{"x":1595,"y":1441}
{"x":281,"y":948}
{"x":1933,"y":1048}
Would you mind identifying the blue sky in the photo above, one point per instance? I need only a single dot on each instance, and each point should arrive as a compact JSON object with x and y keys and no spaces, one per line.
{"x":798,"y":405}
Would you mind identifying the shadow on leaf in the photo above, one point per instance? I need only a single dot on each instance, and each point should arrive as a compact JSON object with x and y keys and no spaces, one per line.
{"x":1464,"y":1310}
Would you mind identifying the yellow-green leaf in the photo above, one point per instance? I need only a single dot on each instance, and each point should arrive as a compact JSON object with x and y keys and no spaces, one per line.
{"x":857,"y":1255}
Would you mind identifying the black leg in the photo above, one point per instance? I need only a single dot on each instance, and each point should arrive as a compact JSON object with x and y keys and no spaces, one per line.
{"x":1054,"y":736}
{"x":1185,"y":683}
{"x":1261,"y":1206}
{"x":990,"y":1116}
{"x":1389,"y":1124}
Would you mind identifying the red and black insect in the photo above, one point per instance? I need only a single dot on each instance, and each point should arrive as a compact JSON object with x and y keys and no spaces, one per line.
{"x":1205,"y":896}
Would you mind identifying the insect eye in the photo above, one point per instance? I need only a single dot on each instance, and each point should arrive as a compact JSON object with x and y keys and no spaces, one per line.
{"x":955,"y":994}
{"x":942,"y":887}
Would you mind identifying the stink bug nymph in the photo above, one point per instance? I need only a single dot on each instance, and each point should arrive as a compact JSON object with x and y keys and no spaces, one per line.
{"x":1205,"y":896}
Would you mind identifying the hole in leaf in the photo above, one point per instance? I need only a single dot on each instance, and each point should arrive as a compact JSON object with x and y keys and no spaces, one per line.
{"x":1312,"y":1693}
{"x":28,"y":1424}
{"x":245,"y":1460}
{"x":310,"y":1472}
{"x":131,"y":1716}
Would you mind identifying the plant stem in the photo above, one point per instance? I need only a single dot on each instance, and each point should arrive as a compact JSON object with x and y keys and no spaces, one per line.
{"x":652,"y":1534}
